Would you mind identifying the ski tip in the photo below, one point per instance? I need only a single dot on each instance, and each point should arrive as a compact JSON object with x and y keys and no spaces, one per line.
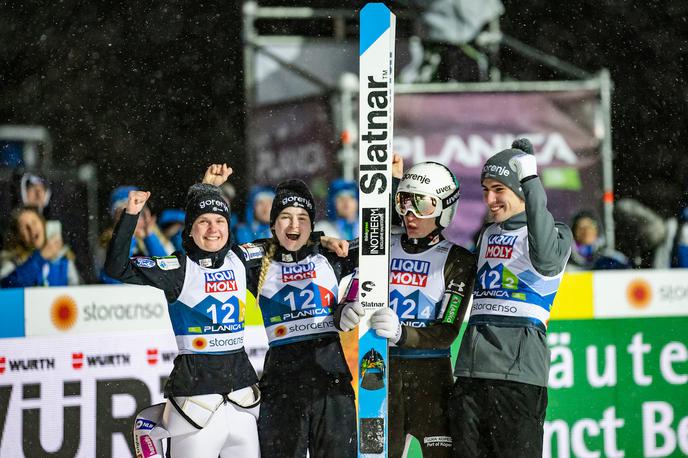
{"x":375,"y":19}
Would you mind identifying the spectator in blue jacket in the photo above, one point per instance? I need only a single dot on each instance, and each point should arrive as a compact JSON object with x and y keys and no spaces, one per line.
{"x":342,"y":210}
{"x":589,"y":251}
{"x":148,"y":240}
{"x":257,"y":215}
{"x":171,"y":223}
{"x":31,"y":258}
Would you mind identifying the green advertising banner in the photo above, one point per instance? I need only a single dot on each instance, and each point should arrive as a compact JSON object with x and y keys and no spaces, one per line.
{"x":617,"y":388}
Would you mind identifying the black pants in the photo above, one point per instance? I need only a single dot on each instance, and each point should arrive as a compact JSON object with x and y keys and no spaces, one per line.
{"x":316,"y":416}
{"x":497,"y":418}
{"x":419,"y":390}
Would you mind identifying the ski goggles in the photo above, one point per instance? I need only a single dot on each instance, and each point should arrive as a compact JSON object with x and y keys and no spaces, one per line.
{"x":421,"y":205}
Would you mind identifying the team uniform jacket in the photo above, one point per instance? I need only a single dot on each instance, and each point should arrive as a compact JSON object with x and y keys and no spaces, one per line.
{"x":520,"y":265}
{"x":206,"y":306}
{"x":430,"y":288}
{"x":297,"y":301}
{"x":306,"y":383}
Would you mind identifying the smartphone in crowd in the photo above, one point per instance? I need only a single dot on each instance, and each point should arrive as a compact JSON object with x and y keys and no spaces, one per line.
{"x":53,"y":228}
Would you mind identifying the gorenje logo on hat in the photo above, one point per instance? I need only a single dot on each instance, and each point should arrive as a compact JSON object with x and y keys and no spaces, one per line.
{"x":412,"y":176}
{"x":496,"y":169}
{"x":295,"y":201}
{"x":214,"y":203}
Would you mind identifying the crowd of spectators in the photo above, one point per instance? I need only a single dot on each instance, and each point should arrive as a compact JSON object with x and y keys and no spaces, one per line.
{"x":35,"y":254}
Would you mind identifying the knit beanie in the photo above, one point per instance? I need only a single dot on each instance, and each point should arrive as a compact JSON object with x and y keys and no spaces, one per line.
{"x":499,"y":168}
{"x":292,"y":193}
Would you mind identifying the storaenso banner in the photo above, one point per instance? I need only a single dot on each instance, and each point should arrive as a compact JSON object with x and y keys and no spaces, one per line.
{"x":618,"y":388}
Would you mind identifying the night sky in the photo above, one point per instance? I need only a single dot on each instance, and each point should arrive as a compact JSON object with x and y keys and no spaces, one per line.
{"x":151,"y":93}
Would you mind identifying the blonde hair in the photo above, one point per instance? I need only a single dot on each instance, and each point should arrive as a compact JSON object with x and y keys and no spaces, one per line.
{"x":265,"y":265}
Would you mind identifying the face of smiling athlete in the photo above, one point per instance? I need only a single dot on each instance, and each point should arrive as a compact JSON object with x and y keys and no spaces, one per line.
{"x":502,"y":203}
{"x":210,"y":232}
{"x":293,"y":228}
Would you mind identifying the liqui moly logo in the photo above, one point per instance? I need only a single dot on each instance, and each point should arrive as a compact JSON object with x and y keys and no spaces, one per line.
{"x":298,"y":272}
{"x":220,"y":282}
{"x":410,"y":272}
{"x":500,"y":246}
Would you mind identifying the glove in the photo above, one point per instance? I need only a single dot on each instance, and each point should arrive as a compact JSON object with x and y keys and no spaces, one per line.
{"x":351,"y":316}
{"x":386,"y":324}
{"x":525,"y":165}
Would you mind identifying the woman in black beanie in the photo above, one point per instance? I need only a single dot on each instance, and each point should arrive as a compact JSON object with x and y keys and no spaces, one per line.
{"x":212,"y":397}
{"x":308,"y":401}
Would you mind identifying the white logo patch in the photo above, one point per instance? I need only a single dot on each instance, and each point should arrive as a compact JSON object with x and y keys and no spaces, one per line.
{"x":168,"y":263}
{"x":252,"y":251}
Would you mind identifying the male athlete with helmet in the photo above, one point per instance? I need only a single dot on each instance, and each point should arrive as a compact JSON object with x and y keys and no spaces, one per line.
{"x":431,"y":280}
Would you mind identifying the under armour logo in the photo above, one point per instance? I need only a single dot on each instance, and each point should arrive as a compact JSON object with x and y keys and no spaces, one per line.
{"x":459,"y":286}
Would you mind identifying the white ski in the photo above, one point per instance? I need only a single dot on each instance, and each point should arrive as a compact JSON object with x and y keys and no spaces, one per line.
{"x":376,"y":115}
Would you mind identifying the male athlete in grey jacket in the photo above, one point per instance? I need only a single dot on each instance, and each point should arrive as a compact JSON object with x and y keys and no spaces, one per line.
{"x":498,"y":405}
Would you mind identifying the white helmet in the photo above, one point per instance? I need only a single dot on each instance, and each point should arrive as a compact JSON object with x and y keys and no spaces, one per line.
{"x":435,"y":181}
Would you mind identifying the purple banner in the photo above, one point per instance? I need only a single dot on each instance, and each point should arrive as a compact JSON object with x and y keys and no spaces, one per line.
{"x":294,"y":140}
{"x":462,"y":130}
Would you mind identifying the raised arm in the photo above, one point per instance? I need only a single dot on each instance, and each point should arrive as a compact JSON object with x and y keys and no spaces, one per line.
{"x":140,"y":270}
{"x":549,"y":243}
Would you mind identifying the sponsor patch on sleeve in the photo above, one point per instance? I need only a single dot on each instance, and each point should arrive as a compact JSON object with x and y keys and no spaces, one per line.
{"x":168,"y":263}
{"x":142,"y":424}
{"x":144,"y":262}
{"x":251,"y":251}
{"x":453,"y":306}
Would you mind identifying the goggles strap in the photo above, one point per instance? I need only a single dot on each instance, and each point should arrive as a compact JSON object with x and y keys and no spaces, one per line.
{"x":451,"y":198}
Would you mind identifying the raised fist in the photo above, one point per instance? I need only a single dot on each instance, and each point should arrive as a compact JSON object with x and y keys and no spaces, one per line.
{"x":217,"y":174}
{"x":397,"y":166}
{"x":524,"y":164}
{"x":136,"y":202}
